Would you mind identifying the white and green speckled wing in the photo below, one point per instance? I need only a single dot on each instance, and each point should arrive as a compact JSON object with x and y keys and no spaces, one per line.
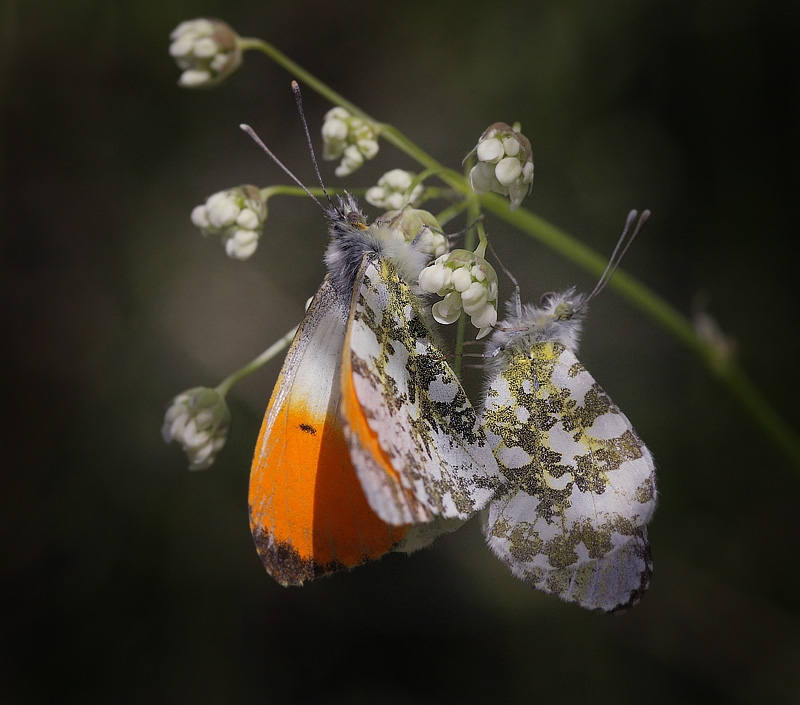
{"x":579,"y":483}
{"x":415,"y":439}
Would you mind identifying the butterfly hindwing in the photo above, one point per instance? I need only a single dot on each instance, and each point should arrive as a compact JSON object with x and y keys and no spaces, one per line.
{"x":579,"y":484}
{"x":308,"y":513}
{"x":432,"y":458}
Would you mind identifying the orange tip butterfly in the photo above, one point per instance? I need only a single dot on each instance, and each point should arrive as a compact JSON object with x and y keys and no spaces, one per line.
{"x":369,"y":443}
{"x":578,"y":484}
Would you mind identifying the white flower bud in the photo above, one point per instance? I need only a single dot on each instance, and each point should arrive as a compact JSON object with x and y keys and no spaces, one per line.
{"x":392,"y":190}
{"x":508,"y":170}
{"x":432,"y":278}
{"x":194,"y":78}
{"x":490,"y":151}
{"x":466,"y":280}
{"x":350,"y":137}
{"x":248,"y":219}
{"x":242,"y":244}
{"x":218,"y":63}
{"x":473,"y":298}
{"x":486,"y":317}
{"x":352,"y":159}
{"x":223,"y":213}
{"x":334,"y":129}
{"x":527,"y":172}
{"x":721,"y":346}
{"x":485,"y":321}
{"x":481,"y":178}
{"x":368,"y":148}
{"x":461,"y":279}
{"x":237,"y":216}
{"x":448,"y":309}
{"x":207,"y":51}
{"x":199,"y":420}
{"x":433,"y":243}
{"x":398,"y":179}
{"x":511,"y":146}
{"x":200,"y":217}
{"x":505,"y":163}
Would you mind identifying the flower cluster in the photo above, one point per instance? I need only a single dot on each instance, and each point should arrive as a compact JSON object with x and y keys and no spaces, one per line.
{"x":349,"y":137}
{"x":465,"y":280}
{"x":418,"y":226}
{"x":237,"y":216}
{"x":206,"y":50}
{"x":505,"y":163}
{"x":394,"y":190}
{"x":199,"y":420}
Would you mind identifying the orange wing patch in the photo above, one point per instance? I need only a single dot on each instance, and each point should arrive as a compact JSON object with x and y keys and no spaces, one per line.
{"x":364,"y":443}
{"x":308,"y":512}
{"x":309,"y":515}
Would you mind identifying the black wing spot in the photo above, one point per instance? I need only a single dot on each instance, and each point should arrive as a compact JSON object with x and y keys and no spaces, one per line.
{"x":308,"y":428}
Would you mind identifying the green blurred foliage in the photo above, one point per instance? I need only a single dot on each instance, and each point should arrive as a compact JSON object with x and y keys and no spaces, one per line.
{"x":129,"y":579}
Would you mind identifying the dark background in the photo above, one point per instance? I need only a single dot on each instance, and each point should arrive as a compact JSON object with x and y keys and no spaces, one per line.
{"x":129,"y":579}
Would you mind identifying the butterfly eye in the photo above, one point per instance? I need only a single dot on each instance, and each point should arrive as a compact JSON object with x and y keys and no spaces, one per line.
{"x":547,"y":297}
{"x":356,"y":220}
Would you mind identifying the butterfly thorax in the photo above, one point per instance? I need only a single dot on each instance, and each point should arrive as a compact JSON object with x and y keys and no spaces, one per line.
{"x":558,"y":319}
{"x":352,"y":239}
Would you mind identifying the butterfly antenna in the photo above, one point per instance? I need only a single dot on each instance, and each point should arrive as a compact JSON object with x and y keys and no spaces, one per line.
{"x":250,"y":131}
{"x":629,"y":234}
{"x":298,"y":98}
{"x":517,"y":299}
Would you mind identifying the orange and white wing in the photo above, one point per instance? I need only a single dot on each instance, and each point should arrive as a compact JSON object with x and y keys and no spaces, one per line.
{"x":308,"y":513}
{"x":415,"y":440}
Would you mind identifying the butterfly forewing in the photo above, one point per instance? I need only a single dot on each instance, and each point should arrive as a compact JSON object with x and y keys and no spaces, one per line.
{"x":308,"y":513}
{"x":405,"y":399}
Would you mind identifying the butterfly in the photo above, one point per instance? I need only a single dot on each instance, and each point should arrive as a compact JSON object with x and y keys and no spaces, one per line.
{"x":369,"y":442}
{"x":578,"y":484}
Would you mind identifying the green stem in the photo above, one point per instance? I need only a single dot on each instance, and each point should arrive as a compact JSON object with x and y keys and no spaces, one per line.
{"x":451,"y":211}
{"x":300,"y":74}
{"x":273,"y":350}
{"x":473,"y":212}
{"x":283,"y":190}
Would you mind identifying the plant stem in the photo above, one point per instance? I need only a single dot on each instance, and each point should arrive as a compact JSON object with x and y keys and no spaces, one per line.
{"x":300,"y":74}
{"x":473,"y":211}
{"x":278,"y":347}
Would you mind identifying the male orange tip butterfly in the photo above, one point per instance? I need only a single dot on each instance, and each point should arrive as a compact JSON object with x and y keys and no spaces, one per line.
{"x":369,"y":443}
{"x":578,"y":484}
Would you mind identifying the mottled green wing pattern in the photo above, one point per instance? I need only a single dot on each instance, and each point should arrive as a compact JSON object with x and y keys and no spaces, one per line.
{"x":579,"y":483}
{"x":430,"y":457}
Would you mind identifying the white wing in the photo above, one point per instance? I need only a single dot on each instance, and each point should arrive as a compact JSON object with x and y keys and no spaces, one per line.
{"x":416,"y":441}
{"x":579,"y":483}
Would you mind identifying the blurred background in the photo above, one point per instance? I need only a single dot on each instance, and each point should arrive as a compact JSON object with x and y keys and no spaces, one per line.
{"x":130,"y":579}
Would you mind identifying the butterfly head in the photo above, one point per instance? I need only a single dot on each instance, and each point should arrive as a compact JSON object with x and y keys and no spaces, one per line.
{"x":557,"y":319}
{"x":351,"y":238}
